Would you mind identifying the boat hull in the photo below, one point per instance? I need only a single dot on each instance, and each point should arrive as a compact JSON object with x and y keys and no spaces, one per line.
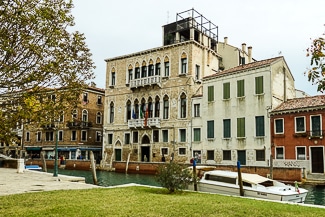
{"x":254,"y":185}
{"x":234,"y":190}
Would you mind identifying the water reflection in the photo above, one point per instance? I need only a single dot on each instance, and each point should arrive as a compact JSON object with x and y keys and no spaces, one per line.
{"x":106,"y":178}
{"x":316,"y":194}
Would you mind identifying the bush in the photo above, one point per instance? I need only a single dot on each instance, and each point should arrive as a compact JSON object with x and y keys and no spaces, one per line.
{"x":174,"y":176}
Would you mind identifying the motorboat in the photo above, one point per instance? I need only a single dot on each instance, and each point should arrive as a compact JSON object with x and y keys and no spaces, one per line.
{"x":256,"y":186}
{"x":33,"y":167}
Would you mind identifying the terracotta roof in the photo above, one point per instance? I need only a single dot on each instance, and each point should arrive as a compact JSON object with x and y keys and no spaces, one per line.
{"x":96,"y":88}
{"x":301,"y":103}
{"x":252,"y":65}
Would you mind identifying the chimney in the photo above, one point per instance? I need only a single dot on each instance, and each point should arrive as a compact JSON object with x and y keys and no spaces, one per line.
{"x":250,"y":58}
{"x":243,"y":47}
{"x":225,"y":40}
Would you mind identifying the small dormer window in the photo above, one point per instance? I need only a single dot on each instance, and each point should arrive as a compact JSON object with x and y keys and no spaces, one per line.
{"x":52,"y":97}
{"x":99,"y":100}
{"x":85,"y":98}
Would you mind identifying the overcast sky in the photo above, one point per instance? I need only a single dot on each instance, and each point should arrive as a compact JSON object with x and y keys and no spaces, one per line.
{"x":272,"y":28}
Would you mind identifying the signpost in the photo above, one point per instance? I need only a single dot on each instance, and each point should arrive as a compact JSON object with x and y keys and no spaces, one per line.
{"x":240,"y":181}
{"x":194,"y":174}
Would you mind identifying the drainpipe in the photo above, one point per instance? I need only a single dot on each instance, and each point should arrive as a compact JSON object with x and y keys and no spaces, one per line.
{"x":284,"y":85}
{"x":191,"y":128}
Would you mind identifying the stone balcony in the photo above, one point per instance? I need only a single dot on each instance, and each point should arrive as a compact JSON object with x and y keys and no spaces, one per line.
{"x":79,"y":124}
{"x":140,"y":123}
{"x":146,"y":81}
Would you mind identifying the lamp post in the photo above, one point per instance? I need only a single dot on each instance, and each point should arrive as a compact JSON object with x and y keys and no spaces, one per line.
{"x":55,"y":172}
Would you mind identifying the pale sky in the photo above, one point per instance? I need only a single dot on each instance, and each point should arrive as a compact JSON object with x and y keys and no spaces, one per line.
{"x":285,"y":27}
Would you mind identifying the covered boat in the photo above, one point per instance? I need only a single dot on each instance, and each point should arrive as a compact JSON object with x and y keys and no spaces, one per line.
{"x":226,"y":182}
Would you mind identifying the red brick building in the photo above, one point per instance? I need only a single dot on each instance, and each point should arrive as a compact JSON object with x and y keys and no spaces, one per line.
{"x":297,"y":134}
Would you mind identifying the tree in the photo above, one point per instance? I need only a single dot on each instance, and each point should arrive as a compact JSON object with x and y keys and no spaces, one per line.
{"x":174,"y":176}
{"x":316,"y":73}
{"x":44,"y":65}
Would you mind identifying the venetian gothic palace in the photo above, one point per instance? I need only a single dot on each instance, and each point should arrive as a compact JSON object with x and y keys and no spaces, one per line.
{"x":193,"y":97}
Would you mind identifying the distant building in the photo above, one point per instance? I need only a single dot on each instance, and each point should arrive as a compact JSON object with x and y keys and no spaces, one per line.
{"x":79,"y":131}
{"x":300,"y":94}
{"x":298,"y":135}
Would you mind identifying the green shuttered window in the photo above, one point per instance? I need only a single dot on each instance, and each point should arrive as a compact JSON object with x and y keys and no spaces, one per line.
{"x":240,"y":127}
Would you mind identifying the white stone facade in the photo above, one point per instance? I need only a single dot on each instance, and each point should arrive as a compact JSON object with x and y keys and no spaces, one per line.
{"x":247,"y":111}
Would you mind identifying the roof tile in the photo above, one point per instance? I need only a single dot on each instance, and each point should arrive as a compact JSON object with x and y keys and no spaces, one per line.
{"x":245,"y":67}
{"x":298,"y":103}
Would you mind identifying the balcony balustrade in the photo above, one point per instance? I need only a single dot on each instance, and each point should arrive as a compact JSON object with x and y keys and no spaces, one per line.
{"x":79,"y":124}
{"x":48,"y":126}
{"x":140,"y":123}
{"x":315,"y":134}
{"x":310,"y":134}
{"x":146,"y":81}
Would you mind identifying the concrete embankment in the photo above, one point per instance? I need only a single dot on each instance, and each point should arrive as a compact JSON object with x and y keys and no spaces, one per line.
{"x":12,"y":182}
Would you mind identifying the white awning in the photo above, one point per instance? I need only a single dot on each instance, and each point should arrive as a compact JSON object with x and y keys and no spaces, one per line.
{"x":47,"y":149}
{"x":253,"y":178}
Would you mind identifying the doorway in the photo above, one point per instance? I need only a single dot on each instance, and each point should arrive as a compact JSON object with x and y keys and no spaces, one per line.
{"x":118,"y":154}
{"x":241,"y":157}
{"x":145,"y":154}
{"x":317,"y":159}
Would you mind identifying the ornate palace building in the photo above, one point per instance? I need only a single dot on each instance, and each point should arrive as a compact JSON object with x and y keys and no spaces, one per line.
{"x":153,"y":97}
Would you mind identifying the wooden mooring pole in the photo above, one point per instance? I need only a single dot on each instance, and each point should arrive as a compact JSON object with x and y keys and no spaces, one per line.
{"x":43,"y":162}
{"x":93,"y":167}
{"x":240,"y":181}
{"x":194,"y":175}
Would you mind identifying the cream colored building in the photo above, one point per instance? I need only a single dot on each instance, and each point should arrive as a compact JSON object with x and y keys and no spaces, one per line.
{"x":149,"y":97}
{"x":235,"y":104}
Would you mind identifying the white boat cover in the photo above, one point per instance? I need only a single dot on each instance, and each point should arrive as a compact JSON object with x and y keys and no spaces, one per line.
{"x":253,"y":178}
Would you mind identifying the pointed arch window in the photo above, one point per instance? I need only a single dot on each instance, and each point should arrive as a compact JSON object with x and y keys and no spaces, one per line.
{"x":184,"y":64}
{"x":74,"y":114}
{"x":137,"y":71}
{"x":85,"y":115}
{"x":144,"y":70}
{"x":150,"y":108}
{"x":183,"y":106}
{"x":136,"y":109}
{"x":113,"y":77}
{"x":151,"y":68}
{"x":128,"y":110}
{"x":142,"y":108}
{"x":111,"y":112}
{"x":166,"y":107}
{"x":99,"y":118}
{"x":166,"y":65}
{"x":157,"y":107}
{"x":130,"y":74}
{"x":157,"y":69}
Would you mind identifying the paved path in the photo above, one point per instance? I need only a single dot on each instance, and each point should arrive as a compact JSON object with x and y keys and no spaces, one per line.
{"x":12,"y":182}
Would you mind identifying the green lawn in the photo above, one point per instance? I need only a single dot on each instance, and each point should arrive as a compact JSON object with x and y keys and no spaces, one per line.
{"x":143,"y":201}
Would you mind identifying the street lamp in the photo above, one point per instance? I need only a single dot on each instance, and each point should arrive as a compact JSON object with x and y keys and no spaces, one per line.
{"x":55,"y":172}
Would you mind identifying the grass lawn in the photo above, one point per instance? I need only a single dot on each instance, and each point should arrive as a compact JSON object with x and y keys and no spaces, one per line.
{"x":143,"y":201}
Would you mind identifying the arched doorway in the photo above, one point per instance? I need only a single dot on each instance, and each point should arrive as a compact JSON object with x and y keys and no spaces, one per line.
{"x":145,"y":149}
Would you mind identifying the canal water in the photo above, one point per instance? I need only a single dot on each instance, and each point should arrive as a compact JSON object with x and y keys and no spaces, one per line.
{"x":315,"y":196}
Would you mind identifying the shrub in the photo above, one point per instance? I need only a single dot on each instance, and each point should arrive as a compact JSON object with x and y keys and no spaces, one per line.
{"x":174,"y":176}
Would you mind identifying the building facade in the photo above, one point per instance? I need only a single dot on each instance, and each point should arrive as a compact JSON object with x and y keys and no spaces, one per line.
{"x":297,"y":134}
{"x":235,"y":104}
{"x":153,"y":95}
{"x":76,"y":132}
